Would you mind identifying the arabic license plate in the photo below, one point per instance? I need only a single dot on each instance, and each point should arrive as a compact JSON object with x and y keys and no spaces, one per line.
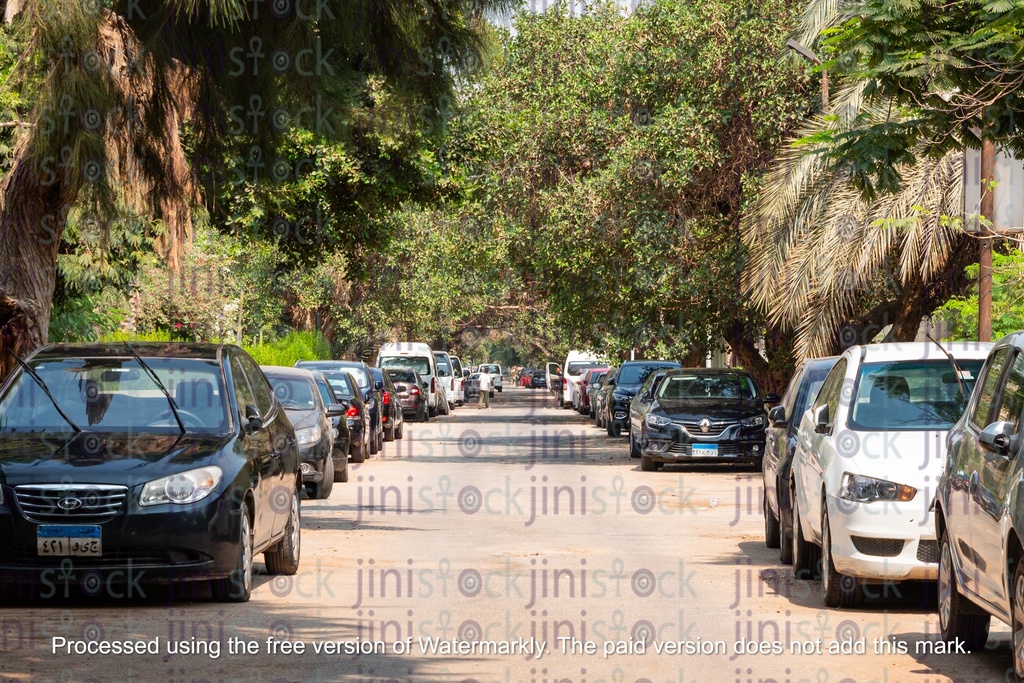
{"x":705,"y":450}
{"x":69,"y":541}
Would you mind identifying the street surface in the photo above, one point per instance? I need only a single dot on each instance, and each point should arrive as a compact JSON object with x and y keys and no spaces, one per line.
{"x":503,"y":528}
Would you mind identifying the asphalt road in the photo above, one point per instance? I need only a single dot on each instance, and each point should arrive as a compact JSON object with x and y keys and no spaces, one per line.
{"x":501,"y":528}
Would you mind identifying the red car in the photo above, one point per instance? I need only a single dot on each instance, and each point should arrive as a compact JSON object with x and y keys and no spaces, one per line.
{"x":585,"y":382}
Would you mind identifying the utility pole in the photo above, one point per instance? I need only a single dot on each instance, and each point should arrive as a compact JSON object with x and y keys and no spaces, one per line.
{"x":988,"y":172}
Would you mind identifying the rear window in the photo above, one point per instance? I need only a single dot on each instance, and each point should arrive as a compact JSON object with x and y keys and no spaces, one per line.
{"x":910,"y":395}
{"x":490,"y":369}
{"x":340,"y":384}
{"x":577,"y":368}
{"x":707,"y":387}
{"x":457,"y":367}
{"x":402,"y":375}
{"x":420,"y":364}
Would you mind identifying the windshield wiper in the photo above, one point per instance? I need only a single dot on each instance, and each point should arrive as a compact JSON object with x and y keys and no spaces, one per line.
{"x":956,"y":368}
{"x":42,"y":385}
{"x":152,"y":375}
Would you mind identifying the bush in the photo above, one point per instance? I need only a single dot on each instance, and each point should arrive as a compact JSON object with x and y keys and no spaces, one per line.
{"x":292,"y":347}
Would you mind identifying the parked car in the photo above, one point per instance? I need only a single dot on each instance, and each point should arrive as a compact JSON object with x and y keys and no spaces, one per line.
{"x":702,"y":414}
{"x":582,"y":394}
{"x":297,"y":393}
{"x":419,"y":357}
{"x":472,"y":387}
{"x":869,"y":453}
{"x":446,"y":378}
{"x":575,"y":364}
{"x":360,"y":371}
{"x":173,"y":459}
{"x":779,"y":447}
{"x":601,"y":398}
{"x":538,"y":380}
{"x":639,"y":407}
{"x":553,"y":375}
{"x":623,"y":387}
{"x":357,"y":417}
{"x":392,"y":414}
{"x":458,"y":377}
{"x":978,"y":509}
{"x":342,"y":436}
{"x":494,"y":370}
{"x":411,"y":393}
{"x":592,"y":387}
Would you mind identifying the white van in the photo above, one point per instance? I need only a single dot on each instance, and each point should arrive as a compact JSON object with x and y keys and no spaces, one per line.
{"x":446,"y":376}
{"x":418,"y":357}
{"x":458,"y":380}
{"x":575,"y":364}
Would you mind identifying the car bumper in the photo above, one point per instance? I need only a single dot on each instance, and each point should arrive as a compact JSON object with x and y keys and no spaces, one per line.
{"x":311,"y":462}
{"x":883,"y":540}
{"x":674,"y":444}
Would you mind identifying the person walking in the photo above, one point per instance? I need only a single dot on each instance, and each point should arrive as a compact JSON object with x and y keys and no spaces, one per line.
{"x":485,"y":390}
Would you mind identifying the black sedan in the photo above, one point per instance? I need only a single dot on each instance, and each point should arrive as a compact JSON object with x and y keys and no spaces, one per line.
{"x":360,"y":371}
{"x":343,"y":438}
{"x":122,"y":465}
{"x":392,"y":415}
{"x":296,"y":390}
{"x":702,"y":414}
{"x":640,"y":406}
{"x":620,"y":388}
{"x":346,"y":391}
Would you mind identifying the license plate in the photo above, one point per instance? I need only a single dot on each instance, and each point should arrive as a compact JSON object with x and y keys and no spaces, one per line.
{"x":705,"y":450}
{"x":69,"y":541}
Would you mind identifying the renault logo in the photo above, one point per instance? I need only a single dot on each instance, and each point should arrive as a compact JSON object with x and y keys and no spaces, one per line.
{"x":69,"y":504}
{"x":705,"y":425}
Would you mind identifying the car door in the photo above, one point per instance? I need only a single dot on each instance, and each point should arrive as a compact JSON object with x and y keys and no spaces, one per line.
{"x":279,"y":438}
{"x":992,"y":486}
{"x":258,"y":449}
{"x":966,"y":461}
{"x":817,"y":452}
{"x":775,"y":442}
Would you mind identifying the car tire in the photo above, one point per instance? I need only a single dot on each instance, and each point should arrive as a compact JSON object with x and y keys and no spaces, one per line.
{"x":400,"y":430}
{"x":341,"y":475}
{"x":431,"y":412}
{"x":958,"y":618}
{"x":805,"y":553}
{"x":499,"y":389}
{"x":771,"y":526}
{"x":785,"y":537}
{"x":284,"y":557}
{"x":389,"y":434}
{"x":647,"y":464}
{"x":613,"y":429}
{"x":375,"y":444}
{"x":237,"y":586}
{"x":327,"y":485}
{"x":1016,"y":623}
{"x":634,"y":448}
{"x":358,"y":453}
{"x":838,"y":590}
{"x":424,"y":415}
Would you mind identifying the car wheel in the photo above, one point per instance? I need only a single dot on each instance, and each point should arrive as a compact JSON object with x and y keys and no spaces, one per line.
{"x":771,"y":526}
{"x":805,"y":554}
{"x":341,"y":475}
{"x":959,"y":619}
{"x":432,"y":412}
{"x":283,"y":558}
{"x":400,"y":430}
{"x":389,"y":434}
{"x":327,"y":485}
{"x":613,"y":429}
{"x":647,"y":464}
{"x":375,"y":444}
{"x":424,"y":415}
{"x":634,"y":448}
{"x":237,"y":586}
{"x":358,"y":453}
{"x":1017,"y":623}
{"x":839,"y":590}
{"x":499,"y":389}
{"x":785,"y":537}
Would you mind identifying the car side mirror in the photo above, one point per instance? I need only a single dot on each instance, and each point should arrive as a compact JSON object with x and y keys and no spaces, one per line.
{"x":821,"y":419}
{"x":254,"y":422}
{"x":336,"y":410}
{"x":997,"y":437}
{"x":772,"y":398}
{"x":777,"y":416}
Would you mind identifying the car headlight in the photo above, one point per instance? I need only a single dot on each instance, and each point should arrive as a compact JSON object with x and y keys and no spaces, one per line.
{"x":181,"y":488}
{"x":307,"y":436}
{"x":868,"y":489}
{"x":755,"y":421}
{"x":657,"y":421}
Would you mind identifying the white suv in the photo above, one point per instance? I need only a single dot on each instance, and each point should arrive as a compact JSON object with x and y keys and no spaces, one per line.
{"x":869,"y":453}
{"x":494,"y":370}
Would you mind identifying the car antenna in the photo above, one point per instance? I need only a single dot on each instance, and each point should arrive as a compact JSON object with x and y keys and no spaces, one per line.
{"x":952,"y":361}
{"x":42,"y":385}
{"x":152,"y":376}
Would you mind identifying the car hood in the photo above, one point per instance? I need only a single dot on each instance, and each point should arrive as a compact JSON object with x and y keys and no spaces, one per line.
{"x":914,"y":458}
{"x":99,"y":458}
{"x":301,"y":419}
{"x":731,"y":409}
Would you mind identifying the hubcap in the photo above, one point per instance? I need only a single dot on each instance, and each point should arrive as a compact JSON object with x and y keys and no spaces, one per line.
{"x":246,"y":553}
{"x":945,"y":587}
{"x":295,"y":528}
{"x":826,"y":548}
{"x":1018,"y":626}
{"x":796,"y":534}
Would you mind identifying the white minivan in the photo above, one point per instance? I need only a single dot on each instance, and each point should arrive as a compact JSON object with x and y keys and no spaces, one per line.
{"x":446,"y":376}
{"x":458,"y":381}
{"x":575,"y":364}
{"x":419,"y":357}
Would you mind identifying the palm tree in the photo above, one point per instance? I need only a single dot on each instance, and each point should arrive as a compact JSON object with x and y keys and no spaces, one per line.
{"x":117,"y":85}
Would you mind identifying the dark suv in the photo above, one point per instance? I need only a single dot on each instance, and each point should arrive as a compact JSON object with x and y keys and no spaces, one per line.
{"x":372,"y":398}
{"x":622,"y":387}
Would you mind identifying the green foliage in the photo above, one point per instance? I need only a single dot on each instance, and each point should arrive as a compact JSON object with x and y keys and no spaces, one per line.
{"x":961,"y":313}
{"x":294,"y":346}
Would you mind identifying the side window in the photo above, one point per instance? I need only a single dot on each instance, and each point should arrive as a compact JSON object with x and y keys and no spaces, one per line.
{"x":789,"y":398}
{"x":831,"y":389}
{"x":242,"y":391}
{"x":988,"y":388}
{"x":261,"y":390}
{"x":1011,"y":399}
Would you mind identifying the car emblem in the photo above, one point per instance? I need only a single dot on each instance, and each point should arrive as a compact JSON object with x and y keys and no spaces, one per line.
{"x":69,"y":504}
{"x":705,"y":425}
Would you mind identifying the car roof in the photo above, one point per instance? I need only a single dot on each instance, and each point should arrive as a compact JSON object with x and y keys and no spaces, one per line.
{"x":283,"y":371}
{"x":145,"y":349}
{"x":330,"y":364}
{"x":670,"y":363}
{"x":879,"y":353}
{"x":709,"y":371}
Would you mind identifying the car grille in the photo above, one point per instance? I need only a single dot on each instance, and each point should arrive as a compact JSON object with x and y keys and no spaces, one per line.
{"x":879,"y":547}
{"x":43,"y":503}
{"x":693,"y":426}
{"x":928,"y":552}
{"x":725,"y":449}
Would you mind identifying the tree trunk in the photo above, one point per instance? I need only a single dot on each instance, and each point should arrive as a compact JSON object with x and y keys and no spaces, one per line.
{"x":772,"y":375}
{"x":32,"y":215}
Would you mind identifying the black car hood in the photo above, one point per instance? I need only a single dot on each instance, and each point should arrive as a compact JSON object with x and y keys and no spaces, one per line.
{"x":730,"y":409}
{"x":630,"y":389}
{"x":100,"y":458}
{"x":301,"y":419}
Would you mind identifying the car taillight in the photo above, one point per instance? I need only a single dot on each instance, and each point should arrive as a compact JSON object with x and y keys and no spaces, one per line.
{"x":352,"y":412}
{"x":433,"y":386}
{"x":415,"y":391}
{"x":386,"y":399}
{"x":565,"y":383}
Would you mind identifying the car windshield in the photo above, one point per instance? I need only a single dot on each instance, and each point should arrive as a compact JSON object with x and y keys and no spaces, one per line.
{"x":443,"y":368}
{"x":294,"y":393}
{"x":707,"y":386}
{"x":116,"y":395}
{"x":910,"y":395}
{"x":578,"y":368}
{"x":636,"y":374}
{"x":418,"y":363}
{"x":340,"y":384}
{"x":402,"y":375}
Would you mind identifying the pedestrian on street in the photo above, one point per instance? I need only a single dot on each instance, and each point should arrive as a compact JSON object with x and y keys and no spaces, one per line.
{"x":485,"y":390}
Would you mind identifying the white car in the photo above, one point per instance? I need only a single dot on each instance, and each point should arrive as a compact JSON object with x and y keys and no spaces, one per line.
{"x":419,"y":357}
{"x":494,"y":370}
{"x":458,"y":381}
{"x":446,"y":377}
{"x":576,"y":363}
{"x":869,"y":454}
